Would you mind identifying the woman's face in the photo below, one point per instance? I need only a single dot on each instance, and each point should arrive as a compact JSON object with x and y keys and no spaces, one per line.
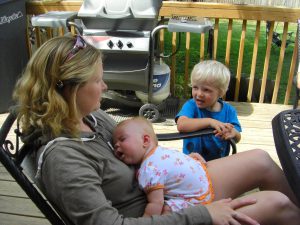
{"x":89,"y":95}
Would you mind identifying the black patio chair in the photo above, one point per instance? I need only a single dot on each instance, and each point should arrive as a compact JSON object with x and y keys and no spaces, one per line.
{"x":297,"y":73}
{"x":13,"y":157}
{"x":286,"y":133}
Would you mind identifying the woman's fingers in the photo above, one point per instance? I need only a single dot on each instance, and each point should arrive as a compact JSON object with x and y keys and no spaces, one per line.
{"x":243,"y":219}
{"x":223,"y":212}
{"x":238,"y":203}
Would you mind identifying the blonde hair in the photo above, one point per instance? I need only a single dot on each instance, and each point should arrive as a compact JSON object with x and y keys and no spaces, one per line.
{"x":41,"y":103}
{"x":143,"y":124}
{"x":213,"y":73}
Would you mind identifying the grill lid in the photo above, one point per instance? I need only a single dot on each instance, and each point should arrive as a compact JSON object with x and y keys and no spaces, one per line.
{"x":120,"y":9}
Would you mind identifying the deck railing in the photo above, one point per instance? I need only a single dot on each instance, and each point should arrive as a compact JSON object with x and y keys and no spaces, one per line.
{"x":272,"y":83}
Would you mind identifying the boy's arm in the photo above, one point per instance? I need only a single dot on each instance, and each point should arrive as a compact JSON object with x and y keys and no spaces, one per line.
{"x":237,"y":136}
{"x":155,"y":202}
{"x":185,"y":124}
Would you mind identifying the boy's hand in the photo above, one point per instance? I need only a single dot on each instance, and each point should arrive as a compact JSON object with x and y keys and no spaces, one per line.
{"x":227,"y":134}
{"x":221,"y":128}
{"x":230,"y":134}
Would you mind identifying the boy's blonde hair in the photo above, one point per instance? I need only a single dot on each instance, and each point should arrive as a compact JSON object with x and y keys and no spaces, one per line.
{"x":213,"y":73}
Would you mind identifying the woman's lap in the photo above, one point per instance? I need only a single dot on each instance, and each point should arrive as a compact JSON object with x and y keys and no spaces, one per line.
{"x":236,"y":174}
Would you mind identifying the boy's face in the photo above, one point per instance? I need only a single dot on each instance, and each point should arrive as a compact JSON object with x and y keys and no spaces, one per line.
{"x":205,"y":95}
{"x":128,"y":144}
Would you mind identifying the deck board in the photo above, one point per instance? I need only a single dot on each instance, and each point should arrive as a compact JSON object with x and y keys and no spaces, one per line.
{"x":255,"y":118}
{"x":19,"y":206}
{"x":11,"y":219}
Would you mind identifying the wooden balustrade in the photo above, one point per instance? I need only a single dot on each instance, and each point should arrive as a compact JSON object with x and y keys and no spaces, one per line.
{"x":225,"y":16}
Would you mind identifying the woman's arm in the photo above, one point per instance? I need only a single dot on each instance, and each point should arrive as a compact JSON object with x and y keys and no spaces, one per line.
{"x":155,"y":202}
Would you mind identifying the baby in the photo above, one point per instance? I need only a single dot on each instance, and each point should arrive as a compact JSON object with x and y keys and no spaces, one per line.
{"x":166,"y":175}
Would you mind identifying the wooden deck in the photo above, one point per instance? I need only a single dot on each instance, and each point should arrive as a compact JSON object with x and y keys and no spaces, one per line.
{"x":255,"y":118}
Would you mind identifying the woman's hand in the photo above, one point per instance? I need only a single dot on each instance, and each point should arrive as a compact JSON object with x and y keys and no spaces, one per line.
{"x":223,"y":212}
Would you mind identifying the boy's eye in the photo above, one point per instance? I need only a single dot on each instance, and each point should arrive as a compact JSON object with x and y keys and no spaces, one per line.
{"x":207,"y":90}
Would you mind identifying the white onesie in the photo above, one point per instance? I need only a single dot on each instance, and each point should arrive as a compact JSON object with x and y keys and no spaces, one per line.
{"x":185,"y":180}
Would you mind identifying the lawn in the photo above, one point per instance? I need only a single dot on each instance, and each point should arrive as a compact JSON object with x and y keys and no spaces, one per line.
{"x":221,"y":51}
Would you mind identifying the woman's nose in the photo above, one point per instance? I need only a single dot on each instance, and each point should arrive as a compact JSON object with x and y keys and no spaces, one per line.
{"x":104,"y":86}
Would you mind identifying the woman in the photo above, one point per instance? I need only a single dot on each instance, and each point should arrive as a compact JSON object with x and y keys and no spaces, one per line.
{"x":59,"y":96}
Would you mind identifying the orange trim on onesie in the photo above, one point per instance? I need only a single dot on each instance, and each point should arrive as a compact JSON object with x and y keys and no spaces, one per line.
{"x":210,"y":188}
{"x":153,"y":188}
{"x":149,"y":153}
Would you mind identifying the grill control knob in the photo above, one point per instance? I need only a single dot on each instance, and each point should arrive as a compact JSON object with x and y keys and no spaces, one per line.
{"x":129,"y":45}
{"x":120,"y":44}
{"x":110,"y":44}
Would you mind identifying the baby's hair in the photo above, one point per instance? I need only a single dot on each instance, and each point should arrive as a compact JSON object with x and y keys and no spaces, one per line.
{"x":213,"y":73}
{"x":144,"y":125}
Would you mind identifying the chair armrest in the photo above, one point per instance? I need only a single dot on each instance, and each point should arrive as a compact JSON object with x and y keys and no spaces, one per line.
{"x":286,"y":133}
{"x":6,"y":127}
{"x":183,"y":135}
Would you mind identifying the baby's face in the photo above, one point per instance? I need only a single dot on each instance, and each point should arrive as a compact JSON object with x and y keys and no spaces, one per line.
{"x":128,"y":144}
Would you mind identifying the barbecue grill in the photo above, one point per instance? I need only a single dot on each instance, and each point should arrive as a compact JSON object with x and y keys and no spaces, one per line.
{"x":125,"y":31}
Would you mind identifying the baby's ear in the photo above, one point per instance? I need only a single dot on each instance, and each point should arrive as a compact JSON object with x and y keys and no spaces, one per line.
{"x":146,"y":139}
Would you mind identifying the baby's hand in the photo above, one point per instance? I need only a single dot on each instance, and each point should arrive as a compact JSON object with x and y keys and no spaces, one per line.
{"x":166,"y":209}
{"x":197,"y":156}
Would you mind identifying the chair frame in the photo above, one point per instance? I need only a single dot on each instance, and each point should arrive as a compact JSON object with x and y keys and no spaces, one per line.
{"x":12,"y":157}
{"x":297,"y":70}
{"x":12,"y":163}
{"x":286,"y":133}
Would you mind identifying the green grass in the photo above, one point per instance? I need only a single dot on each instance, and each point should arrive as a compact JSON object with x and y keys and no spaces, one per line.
{"x":248,"y":51}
